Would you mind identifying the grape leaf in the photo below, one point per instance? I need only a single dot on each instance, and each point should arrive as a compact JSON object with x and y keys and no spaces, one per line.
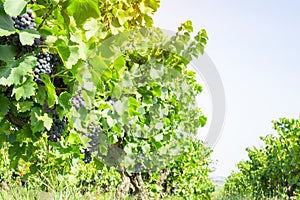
{"x":4,"y":105}
{"x":6,"y":24}
{"x":64,"y":100}
{"x":24,"y":106}
{"x":74,"y":56}
{"x":119,"y":63}
{"x":92,"y":27}
{"x":5,"y":74}
{"x":7,"y":53}
{"x":144,"y":8}
{"x":82,"y":10}
{"x":69,"y":54}
{"x":14,"y":7}
{"x":36,"y":124}
{"x":47,"y":121}
{"x":52,"y":98}
{"x":27,"y":37}
{"x":41,"y":96}
{"x":25,"y":90}
{"x":17,"y":72}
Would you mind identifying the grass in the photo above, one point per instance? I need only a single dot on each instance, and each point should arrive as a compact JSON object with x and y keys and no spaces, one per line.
{"x":21,"y":193}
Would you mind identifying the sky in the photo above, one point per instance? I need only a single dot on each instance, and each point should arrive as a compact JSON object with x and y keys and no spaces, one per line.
{"x":255,"y":46}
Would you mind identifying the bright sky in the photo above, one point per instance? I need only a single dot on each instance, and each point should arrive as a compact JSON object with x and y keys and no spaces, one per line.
{"x":255,"y":46}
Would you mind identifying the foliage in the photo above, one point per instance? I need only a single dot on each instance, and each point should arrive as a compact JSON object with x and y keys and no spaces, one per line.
{"x":94,"y":81}
{"x":188,"y":176}
{"x":272,"y":170}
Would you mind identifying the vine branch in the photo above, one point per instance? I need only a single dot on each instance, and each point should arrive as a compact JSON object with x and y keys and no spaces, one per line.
{"x":17,"y":121}
{"x":46,"y":16}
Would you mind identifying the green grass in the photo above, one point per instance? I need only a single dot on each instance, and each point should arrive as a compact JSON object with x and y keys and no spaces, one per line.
{"x":20,"y":193}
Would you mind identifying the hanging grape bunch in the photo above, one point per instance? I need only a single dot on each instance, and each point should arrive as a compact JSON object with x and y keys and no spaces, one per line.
{"x":25,"y":21}
{"x":46,"y":64}
{"x":93,"y":132}
{"x":46,"y":61}
{"x":56,"y":130}
{"x":78,"y":101}
{"x":87,"y":156}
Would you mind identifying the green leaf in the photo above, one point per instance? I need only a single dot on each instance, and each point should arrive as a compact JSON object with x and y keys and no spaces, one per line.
{"x":47,"y":121}
{"x":40,"y":96}
{"x":82,"y":10}
{"x":36,"y":117}
{"x":121,"y":15}
{"x":73,"y":138}
{"x":188,"y":26}
{"x":146,"y":148}
{"x":69,"y":54}
{"x":27,"y":37}
{"x":4,"y":108}
{"x":91,"y":27}
{"x":119,"y":63}
{"x":117,"y":91}
{"x":64,"y":100}
{"x":202,"y":120}
{"x":133,"y":102}
{"x":6,"y":24}
{"x":158,"y":137}
{"x":74,"y":56}
{"x":98,"y":64}
{"x":145,"y":9}
{"x":17,"y":73}
{"x":24,"y":106}
{"x":63,"y":50}
{"x":157,"y":91}
{"x":52,"y":98}
{"x":25,"y":90}
{"x":7,"y":53}
{"x":130,"y":148}
{"x":14,"y":7}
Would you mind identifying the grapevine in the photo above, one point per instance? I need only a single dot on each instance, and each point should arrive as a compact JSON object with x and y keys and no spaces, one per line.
{"x":49,"y":128}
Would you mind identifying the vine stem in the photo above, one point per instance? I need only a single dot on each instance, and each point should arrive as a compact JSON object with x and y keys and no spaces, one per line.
{"x":46,"y":16}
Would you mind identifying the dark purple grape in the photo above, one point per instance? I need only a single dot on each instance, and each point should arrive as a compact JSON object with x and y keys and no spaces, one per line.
{"x":25,"y":21}
{"x":56,"y":130}
{"x":46,"y":64}
{"x":14,"y":40}
{"x":87,"y":156}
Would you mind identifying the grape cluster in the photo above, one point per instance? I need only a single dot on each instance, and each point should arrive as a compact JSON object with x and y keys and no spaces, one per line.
{"x":87,"y":156}
{"x":56,"y":130}
{"x":78,"y":101}
{"x":25,"y":21}
{"x":93,"y":133}
{"x":46,"y":63}
{"x":14,"y":40}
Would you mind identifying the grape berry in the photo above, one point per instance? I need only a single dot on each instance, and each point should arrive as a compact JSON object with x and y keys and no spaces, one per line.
{"x":46,"y":64}
{"x":93,"y":134}
{"x":78,"y":101}
{"x":56,"y":130}
{"x":25,"y":21}
{"x":87,"y":156}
